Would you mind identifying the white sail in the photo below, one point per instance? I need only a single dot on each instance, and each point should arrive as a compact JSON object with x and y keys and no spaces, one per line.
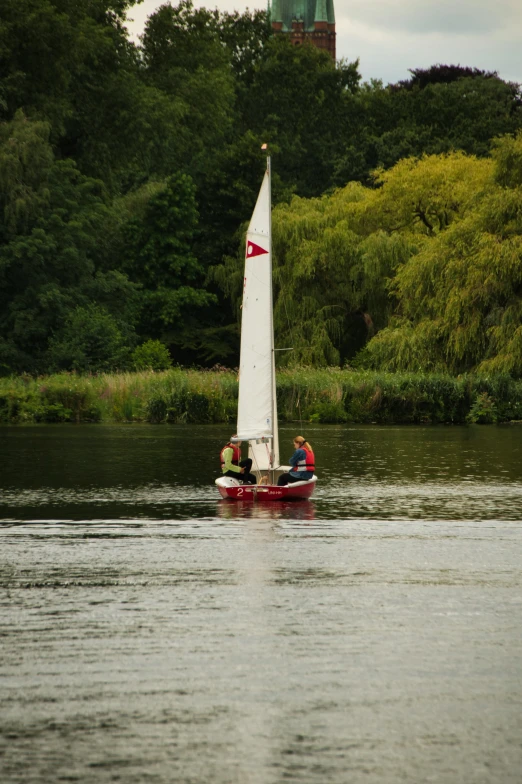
{"x":257,"y":407}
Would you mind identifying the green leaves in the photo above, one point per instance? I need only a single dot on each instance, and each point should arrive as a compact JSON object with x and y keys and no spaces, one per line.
{"x":54,"y":221}
{"x":459,"y":295}
{"x":299,"y":100}
{"x":90,"y":341}
{"x":332,"y":265}
{"x":157,"y":249}
{"x":25,"y":162}
{"x":151,"y":355}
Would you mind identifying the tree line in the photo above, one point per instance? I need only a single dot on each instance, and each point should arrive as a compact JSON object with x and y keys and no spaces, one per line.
{"x":128,"y":170}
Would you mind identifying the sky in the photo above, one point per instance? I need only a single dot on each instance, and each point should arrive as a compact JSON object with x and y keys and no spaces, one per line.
{"x":391,"y":36}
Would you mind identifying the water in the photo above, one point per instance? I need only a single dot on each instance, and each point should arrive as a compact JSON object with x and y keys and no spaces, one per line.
{"x":151,"y":632}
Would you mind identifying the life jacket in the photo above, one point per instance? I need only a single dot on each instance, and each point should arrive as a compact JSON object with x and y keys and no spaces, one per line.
{"x":308,"y":464}
{"x":236,"y":457}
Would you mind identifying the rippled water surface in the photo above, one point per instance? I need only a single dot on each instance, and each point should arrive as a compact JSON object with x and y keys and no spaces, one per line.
{"x":151,"y":632}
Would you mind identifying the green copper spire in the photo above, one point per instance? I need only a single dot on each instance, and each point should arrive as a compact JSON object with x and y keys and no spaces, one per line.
{"x":300,"y":8}
{"x":307,"y":11}
{"x":321,"y":12}
{"x":275,"y":12}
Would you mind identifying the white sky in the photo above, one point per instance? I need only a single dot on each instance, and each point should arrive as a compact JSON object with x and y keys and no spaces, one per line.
{"x":390,"y":36}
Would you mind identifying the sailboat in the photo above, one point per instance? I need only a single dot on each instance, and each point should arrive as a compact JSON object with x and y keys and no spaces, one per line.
{"x":257,"y":406}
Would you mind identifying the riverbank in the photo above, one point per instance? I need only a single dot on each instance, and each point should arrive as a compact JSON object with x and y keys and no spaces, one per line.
{"x":329,"y":395}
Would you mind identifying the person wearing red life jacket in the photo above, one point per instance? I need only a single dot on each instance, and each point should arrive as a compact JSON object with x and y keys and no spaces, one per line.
{"x":232,"y":465}
{"x":302,"y":462}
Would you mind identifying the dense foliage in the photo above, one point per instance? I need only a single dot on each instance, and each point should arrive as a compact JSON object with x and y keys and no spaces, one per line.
{"x":127,"y":172}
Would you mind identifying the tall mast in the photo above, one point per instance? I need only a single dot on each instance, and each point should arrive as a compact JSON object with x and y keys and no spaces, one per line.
{"x":274,"y":452}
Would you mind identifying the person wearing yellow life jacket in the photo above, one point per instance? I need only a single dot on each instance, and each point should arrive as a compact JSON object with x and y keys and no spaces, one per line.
{"x":232,"y":465}
{"x":302,"y":462}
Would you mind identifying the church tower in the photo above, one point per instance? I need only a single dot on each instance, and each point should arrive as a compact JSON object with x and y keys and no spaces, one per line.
{"x":306,"y":20}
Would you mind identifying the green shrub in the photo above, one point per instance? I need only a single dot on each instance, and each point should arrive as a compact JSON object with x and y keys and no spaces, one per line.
{"x":483,"y":411}
{"x":73,"y":393}
{"x":4,"y":408}
{"x":92,"y":414}
{"x":151,"y":355}
{"x":156,"y":410}
{"x":55,"y":412}
{"x":90,"y":342}
{"x":11,"y":407}
{"x":327,"y":413}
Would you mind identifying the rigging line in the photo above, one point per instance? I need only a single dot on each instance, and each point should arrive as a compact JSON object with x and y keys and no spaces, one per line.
{"x":300,"y":413}
{"x":255,"y":461}
{"x":286,"y":312}
{"x":290,"y":328}
{"x":259,"y":280}
{"x":259,"y":354}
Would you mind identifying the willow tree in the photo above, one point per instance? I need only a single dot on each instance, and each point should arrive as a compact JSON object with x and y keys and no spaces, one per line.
{"x":329,"y":275}
{"x":424,"y":196}
{"x":336,"y":258}
{"x":459,"y":298}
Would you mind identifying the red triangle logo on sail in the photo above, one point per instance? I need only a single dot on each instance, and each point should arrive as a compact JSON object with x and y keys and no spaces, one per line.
{"x":254,"y":250}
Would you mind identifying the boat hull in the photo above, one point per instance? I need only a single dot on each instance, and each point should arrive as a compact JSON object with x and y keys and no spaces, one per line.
{"x":231,"y":488}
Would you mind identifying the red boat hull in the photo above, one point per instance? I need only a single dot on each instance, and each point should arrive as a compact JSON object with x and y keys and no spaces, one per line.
{"x":237,"y":492}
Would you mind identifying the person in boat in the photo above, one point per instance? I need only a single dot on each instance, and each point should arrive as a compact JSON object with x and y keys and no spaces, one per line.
{"x":302,"y":462}
{"x":232,"y":465}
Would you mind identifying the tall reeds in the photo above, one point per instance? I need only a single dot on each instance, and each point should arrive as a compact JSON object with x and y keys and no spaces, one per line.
{"x":320,"y":395}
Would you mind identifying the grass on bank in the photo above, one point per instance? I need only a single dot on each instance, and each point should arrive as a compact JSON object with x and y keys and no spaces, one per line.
{"x":329,"y":395}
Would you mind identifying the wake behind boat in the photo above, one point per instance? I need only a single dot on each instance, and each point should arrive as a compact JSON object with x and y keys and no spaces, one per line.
{"x":257,"y":406}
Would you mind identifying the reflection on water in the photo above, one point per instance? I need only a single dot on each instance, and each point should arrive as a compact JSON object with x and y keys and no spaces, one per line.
{"x":152,"y":631}
{"x":268,"y":510}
